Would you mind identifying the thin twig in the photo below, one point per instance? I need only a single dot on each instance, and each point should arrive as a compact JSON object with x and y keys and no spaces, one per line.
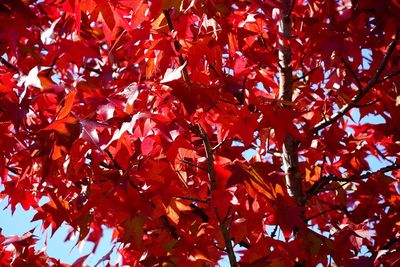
{"x":169,"y":227}
{"x":305,"y":74}
{"x":382,"y":155}
{"x":367,"y":104}
{"x":209,"y":157}
{"x":8,"y":64}
{"x":389,"y":76}
{"x":318,"y":186}
{"x":244,"y":244}
{"x":198,"y":211}
{"x":193,"y":199}
{"x":273,"y":233}
{"x":116,"y":165}
{"x":362,"y":92}
{"x":194,"y":165}
{"x":348,"y":67}
{"x":219,"y":145}
{"x":218,"y":247}
{"x":13,"y":170}
{"x":319,"y":214}
{"x":177,"y":46}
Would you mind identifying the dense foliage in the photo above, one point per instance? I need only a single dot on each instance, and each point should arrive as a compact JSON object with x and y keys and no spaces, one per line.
{"x":139,"y":116}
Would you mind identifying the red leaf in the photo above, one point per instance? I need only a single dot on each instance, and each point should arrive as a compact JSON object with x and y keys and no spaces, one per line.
{"x":106,"y":12}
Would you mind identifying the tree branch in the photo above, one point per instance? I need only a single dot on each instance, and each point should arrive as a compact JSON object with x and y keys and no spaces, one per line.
{"x":13,"y":170}
{"x":209,"y":157}
{"x":319,"y":214}
{"x":177,"y":46}
{"x":323,"y":181}
{"x":213,"y":185}
{"x":169,"y":227}
{"x":8,"y":64}
{"x":227,"y":239}
{"x":389,"y":76}
{"x":367,"y":104}
{"x":348,"y":67}
{"x":193,"y":199}
{"x":219,"y":145}
{"x":362,"y":92}
{"x":194,"y":165}
{"x":273,"y":233}
{"x":306,"y":74}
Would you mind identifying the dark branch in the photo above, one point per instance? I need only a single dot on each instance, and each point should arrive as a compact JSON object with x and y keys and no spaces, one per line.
{"x":213,"y":185}
{"x":273,"y":233}
{"x":305,"y":74}
{"x":193,"y":199}
{"x":194,"y":165}
{"x":319,"y":214}
{"x":177,"y":46}
{"x":348,"y":67}
{"x":362,"y":92}
{"x":13,"y":170}
{"x":209,"y":157}
{"x":227,"y":240}
{"x":8,"y":64}
{"x":323,"y":181}
{"x":367,"y":104}
{"x":169,"y":227}
{"x":198,"y":211}
{"x":389,"y":76}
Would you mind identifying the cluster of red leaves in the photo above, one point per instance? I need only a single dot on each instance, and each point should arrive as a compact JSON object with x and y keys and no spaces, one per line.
{"x":96,"y":115}
{"x":20,"y":251}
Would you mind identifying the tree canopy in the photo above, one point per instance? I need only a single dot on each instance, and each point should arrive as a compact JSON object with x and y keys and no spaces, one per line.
{"x":197,"y":129}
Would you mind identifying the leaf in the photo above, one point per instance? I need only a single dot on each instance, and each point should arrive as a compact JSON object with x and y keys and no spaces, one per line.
{"x":32,"y":78}
{"x":80,"y":261}
{"x":84,"y":225}
{"x":106,"y":12}
{"x":175,"y":208}
{"x":171,"y":74}
{"x":133,"y":230}
{"x":126,"y":127}
{"x":47,"y":35}
{"x":68,"y":103}
{"x":257,"y":181}
{"x":63,"y":126}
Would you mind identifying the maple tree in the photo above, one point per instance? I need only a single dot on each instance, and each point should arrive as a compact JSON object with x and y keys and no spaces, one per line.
{"x":138,"y":116}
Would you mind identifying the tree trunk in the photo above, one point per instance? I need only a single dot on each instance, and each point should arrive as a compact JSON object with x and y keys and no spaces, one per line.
{"x":289,"y":149}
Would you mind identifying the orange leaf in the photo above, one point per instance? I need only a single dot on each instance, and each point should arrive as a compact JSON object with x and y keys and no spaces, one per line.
{"x":62,"y":126}
{"x":257,"y":182}
{"x":68,"y":103}
{"x":174,"y":208}
{"x":200,"y":256}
